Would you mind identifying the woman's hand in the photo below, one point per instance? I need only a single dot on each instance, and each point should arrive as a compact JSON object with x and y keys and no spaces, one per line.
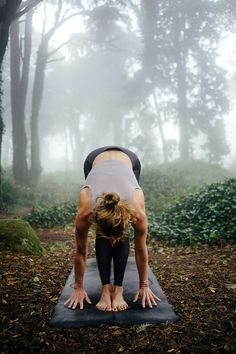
{"x":78,"y":296}
{"x":147,"y":296}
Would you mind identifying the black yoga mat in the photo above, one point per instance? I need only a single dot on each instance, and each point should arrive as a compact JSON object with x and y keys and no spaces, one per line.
{"x":91,"y":316}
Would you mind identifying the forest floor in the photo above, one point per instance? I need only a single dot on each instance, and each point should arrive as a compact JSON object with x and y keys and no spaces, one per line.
{"x":198,"y":281}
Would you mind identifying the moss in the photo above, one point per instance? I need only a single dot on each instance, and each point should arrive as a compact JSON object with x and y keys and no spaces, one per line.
{"x":18,"y":236}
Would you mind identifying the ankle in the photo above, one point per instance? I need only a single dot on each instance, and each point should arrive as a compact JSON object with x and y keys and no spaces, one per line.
{"x":117,"y":289}
{"x":106,"y":289}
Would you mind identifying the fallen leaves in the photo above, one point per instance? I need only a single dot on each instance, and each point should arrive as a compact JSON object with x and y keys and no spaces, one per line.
{"x":30,"y":287}
{"x":230,"y":286}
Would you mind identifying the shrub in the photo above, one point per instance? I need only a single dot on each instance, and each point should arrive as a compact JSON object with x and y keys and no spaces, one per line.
{"x":165,"y":184}
{"x":49,"y":192}
{"x":47,"y":217}
{"x":18,"y":236}
{"x":208,"y":216}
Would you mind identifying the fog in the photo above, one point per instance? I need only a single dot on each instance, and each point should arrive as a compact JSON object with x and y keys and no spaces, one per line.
{"x":157,"y":77}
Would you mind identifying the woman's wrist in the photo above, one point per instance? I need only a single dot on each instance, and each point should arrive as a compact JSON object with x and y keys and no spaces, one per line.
{"x":144,"y":284}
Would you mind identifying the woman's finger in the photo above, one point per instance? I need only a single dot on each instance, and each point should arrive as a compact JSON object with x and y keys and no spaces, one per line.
{"x":143,"y":299}
{"x":67,"y":301}
{"x":149,"y":300}
{"x":81,"y":304}
{"x":88,"y":299}
{"x":75,"y":303}
{"x":153,"y":300}
{"x":136,"y":296}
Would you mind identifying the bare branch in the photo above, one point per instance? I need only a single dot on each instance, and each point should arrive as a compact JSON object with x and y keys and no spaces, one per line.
{"x":58,"y":12}
{"x":50,"y":33}
{"x":27,"y":6}
{"x":53,"y":60}
{"x":58,"y":48}
{"x":44,"y":20}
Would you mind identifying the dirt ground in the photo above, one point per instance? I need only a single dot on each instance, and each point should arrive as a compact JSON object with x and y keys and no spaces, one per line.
{"x":199,"y":282}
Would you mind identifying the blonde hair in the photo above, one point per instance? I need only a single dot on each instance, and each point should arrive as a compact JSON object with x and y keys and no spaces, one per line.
{"x":112,"y":216}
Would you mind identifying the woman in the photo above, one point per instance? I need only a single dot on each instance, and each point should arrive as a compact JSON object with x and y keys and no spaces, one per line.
{"x":111,"y":199}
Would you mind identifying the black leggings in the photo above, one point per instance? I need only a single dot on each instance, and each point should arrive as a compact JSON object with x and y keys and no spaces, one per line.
{"x":104,"y":250}
{"x":104,"y":254}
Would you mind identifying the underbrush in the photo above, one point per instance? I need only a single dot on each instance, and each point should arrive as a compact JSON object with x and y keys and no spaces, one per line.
{"x":48,"y":217}
{"x":207,"y":216}
{"x":52,"y":190}
{"x":182,"y":206}
{"x":165,"y":184}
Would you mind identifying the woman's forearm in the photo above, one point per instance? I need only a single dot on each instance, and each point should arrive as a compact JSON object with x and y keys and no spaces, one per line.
{"x":80,"y":265}
{"x":141,"y":257}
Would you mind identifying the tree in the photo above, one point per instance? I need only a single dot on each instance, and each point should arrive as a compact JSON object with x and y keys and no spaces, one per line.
{"x":19,"y":86}
{"x":181,"y":42}
{"x":43,"y":56}
{"x":1,"y":135}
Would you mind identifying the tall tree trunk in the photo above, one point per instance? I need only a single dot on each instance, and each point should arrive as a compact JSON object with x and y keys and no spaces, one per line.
{"x":19,"y":85}
{"x":148,"y":24}
{"x":184,"y":133}
{"x":1,"y":136}
{"x":160,"y":128}
{"x":37,"y":95}
{"x":117,"y":130}
{"x":7,"y":12}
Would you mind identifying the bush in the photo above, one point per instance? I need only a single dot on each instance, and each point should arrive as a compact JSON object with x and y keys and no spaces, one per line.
{"x":49,"y":192}
{"x":165,"y":184}
{"x":57,"y":215}
{"x":18,"y":236}
{"x":208,"y":216}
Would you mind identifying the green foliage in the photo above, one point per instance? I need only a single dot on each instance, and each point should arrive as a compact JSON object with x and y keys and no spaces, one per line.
{"x":165,"y":184}
{"x":52,"y":189}
{"x":18,"y":236}
{"x":47,"y":217}
{"x":208,"y":216}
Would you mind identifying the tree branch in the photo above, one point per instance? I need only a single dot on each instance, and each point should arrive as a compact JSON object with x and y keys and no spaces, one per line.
{"x":58,"y":48}
{"x":50,"y":33}
{"x":53,"y":60}
{"x":27,"y":6}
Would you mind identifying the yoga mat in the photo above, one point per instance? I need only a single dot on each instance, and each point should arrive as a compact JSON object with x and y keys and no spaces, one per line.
{"x":90,"y":316}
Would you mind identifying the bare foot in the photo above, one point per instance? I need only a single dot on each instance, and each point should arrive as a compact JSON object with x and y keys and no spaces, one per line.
{"x":118,"y":302}
{"x":104,"y":304}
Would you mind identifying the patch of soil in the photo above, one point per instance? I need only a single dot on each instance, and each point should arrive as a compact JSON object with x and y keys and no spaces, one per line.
{"x":199,"y":282}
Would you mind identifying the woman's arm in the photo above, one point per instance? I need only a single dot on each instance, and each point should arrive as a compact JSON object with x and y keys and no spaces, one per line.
{"x":81,"y":233}
{"x":140,"y":225}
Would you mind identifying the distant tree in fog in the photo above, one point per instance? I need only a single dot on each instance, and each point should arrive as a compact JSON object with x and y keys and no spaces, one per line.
{"x":180,"y":42}
{"x":9,"y":10}
{"x":43,"y":55}
{"x":20,"y":53}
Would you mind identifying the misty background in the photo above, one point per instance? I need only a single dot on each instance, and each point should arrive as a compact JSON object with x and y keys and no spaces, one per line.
{"x":157,"y":77}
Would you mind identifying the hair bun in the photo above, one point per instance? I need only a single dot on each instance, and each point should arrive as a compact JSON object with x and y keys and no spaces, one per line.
{"x":110,"y":200}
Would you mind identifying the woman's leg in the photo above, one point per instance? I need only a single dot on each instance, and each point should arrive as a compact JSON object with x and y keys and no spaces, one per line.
{"x":120,"y":257}
{"x":104,"y":256}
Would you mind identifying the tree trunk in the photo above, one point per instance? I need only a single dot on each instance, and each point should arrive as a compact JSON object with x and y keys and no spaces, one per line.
{"x":1,"y":136}
{"x":184,"y":134}
{"x":117,"y":130}
{"x":7,"y":13}
{"x":160,"y":128}
{"x":19,"y":85}
{"x":37,"y":95}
